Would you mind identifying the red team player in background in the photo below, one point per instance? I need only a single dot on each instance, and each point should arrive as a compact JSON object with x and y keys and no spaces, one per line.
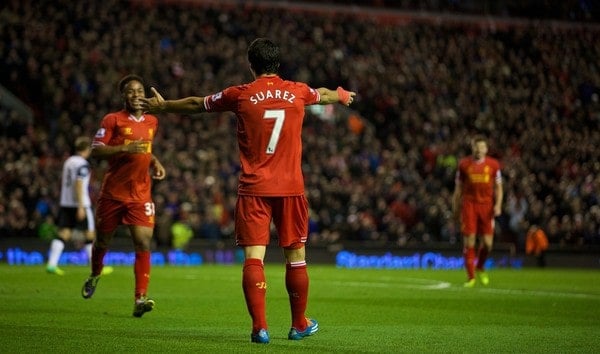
{"x":270,"y":113}
{"x":125,"y":140}
{"x":477,"y":200}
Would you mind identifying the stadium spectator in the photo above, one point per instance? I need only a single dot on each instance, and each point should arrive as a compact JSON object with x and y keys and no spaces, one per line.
{"x":270,"y":113}
{"x":517,"y":209}
{"x":125,"y":139}
{"x":536,"y":243}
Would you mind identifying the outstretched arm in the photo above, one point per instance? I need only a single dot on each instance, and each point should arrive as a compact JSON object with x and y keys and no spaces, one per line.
{"x":499,"y":196}
{"x":187,"y":105}
{"x":106,"y":151}
{"x":456,"y":201}
{"x":332,"y":96}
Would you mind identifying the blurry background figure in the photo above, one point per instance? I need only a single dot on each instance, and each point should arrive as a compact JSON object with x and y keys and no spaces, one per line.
{"x":516,"y":208}
{"x":181,"y":229}
{"x":48,"y":230}
{"x":536,"y":243}
{"x":76,"y":217}
{"x":476,"y":202}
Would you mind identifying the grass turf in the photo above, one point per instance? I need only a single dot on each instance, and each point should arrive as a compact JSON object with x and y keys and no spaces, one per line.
{"x":201,"y":309}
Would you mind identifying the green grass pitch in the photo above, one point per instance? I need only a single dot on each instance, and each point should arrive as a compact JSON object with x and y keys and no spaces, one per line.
{"x":201,"y":310}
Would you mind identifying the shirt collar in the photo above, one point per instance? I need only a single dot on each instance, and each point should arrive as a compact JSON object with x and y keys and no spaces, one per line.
{"x":133,"y":118}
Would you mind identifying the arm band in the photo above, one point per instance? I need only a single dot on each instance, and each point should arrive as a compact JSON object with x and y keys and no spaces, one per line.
{"x":343,"y":96}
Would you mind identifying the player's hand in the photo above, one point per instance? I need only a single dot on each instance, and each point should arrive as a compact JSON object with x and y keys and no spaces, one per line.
{"x":80,"y":213}
{"x":159,"y":170}
{"x":153,"y":104}
{"x":137,"y":147}
{"x":497,"y":210}
{"x":345,"y":97}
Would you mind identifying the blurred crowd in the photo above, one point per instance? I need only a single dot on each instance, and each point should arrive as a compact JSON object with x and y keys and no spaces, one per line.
{"x":564,"y":10}
{"x":382,"y":172}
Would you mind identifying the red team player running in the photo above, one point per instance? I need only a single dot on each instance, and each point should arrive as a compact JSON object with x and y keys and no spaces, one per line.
{"x":477,"y":200}
{"x":270,"y":114}
{"x":125,"y":140}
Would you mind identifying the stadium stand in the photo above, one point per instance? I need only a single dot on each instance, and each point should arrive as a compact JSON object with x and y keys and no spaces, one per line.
{"x":383,"y":173}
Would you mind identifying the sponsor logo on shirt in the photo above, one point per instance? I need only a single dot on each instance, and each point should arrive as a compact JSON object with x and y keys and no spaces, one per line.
{"x":479,"y":178}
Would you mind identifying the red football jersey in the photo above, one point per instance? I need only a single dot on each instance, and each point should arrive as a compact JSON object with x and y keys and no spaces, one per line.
{"x":270,"y":113}
{"x":128,"y":176}
{"x":478,"y":179}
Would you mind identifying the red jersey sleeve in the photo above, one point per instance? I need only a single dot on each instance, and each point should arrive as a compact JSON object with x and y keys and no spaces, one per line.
{"x":105,"y":132}
{"x":225,"y":100}
{"x":311,"y":96}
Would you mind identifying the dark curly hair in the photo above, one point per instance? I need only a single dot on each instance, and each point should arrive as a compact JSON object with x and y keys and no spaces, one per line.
{"x":263,"y":56}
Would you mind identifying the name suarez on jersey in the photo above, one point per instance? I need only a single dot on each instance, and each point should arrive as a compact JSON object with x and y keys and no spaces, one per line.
{"x":272,"y":94}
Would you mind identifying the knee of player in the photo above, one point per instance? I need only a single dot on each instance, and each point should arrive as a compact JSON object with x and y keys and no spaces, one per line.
{"x":295,"y":252}
{"x":64,"y":234}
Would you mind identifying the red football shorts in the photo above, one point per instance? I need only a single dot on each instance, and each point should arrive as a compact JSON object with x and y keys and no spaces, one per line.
{"x":253,"y":217}
{"x":477,"y":218}
{"x":112,"y":213}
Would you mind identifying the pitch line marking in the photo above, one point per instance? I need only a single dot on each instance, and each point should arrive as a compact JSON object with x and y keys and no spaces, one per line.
{"x":411,"y":283}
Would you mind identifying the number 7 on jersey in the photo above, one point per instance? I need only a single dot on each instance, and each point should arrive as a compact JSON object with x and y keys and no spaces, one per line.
{"x":279,"y":116}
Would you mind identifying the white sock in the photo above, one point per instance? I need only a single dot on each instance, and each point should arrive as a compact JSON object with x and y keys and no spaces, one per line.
{"x":88,"y":251}
{"x":56,"y":248}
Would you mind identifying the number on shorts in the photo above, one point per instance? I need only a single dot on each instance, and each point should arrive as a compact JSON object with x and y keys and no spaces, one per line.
{"x":149,"y":209}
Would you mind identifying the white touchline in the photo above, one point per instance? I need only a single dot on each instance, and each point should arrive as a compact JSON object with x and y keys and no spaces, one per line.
{"x":424,"y":284}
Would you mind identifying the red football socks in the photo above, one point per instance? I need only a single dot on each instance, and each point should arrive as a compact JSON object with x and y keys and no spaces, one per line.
{"x":296,"y":283}
{"x":255,"y":291}
{"x":141,"y":269}
{"x":482,"y":257}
